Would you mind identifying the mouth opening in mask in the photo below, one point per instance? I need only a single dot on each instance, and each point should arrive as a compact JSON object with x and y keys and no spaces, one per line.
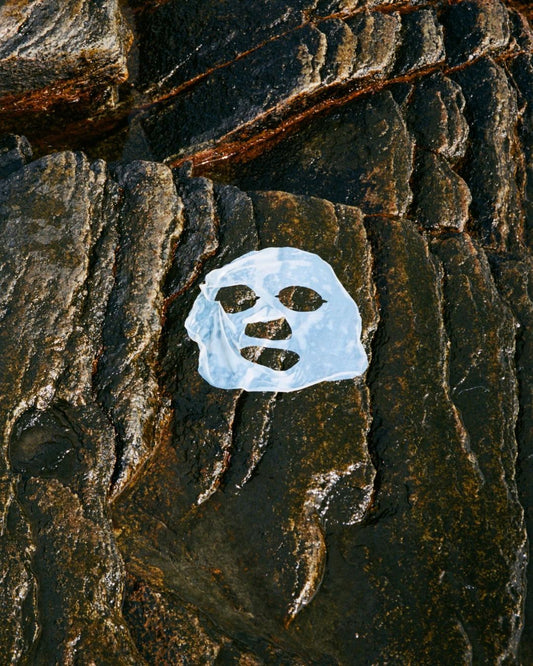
{"x":275,"y":359}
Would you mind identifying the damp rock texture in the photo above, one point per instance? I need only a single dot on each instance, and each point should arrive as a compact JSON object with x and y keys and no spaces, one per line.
{"x":60,"y":58}
{"x":63,"y":290}
{"x":151,"y":518}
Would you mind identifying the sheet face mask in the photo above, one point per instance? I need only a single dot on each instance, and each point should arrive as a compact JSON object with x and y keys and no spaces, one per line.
{"x":276,"y":319}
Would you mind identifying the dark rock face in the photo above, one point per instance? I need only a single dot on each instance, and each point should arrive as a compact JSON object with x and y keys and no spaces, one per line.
{"x":63,"y":58}
{"x":15,"y":152}
{"x":261,"y":476}
{"x":57,"y":540}
{"x":149,"y":517}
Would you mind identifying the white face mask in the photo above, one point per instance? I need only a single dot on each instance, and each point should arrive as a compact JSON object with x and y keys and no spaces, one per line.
{"x":282,"y":307}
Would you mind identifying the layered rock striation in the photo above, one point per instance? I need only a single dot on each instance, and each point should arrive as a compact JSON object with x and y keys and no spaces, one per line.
{"x":149,"y":517}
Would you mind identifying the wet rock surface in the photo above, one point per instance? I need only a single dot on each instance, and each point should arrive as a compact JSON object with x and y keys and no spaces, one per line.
{"x":150,"y":518}
{"x":60,"y":58}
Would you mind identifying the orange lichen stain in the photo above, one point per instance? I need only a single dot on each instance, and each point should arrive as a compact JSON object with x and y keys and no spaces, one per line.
{"x":68,"y":91}
{"x":251,"y":139}
{"x":96,"y":360}
{"x":523,"y":6}
{"x":148,"y":6}
{"x":143,"y":570}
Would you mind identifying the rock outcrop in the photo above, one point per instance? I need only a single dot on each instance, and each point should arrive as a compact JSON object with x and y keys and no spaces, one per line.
{"x":149,"y":517}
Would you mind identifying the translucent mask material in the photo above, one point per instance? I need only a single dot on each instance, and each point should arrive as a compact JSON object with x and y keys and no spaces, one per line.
{"x":276,"y":319}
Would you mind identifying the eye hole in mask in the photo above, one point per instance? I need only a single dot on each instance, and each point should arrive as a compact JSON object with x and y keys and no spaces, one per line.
{"x":300,"y":299}
{"x":236,"y":298}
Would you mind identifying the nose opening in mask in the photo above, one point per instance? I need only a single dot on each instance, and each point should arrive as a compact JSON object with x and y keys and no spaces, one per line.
{"x":275,"y":329}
